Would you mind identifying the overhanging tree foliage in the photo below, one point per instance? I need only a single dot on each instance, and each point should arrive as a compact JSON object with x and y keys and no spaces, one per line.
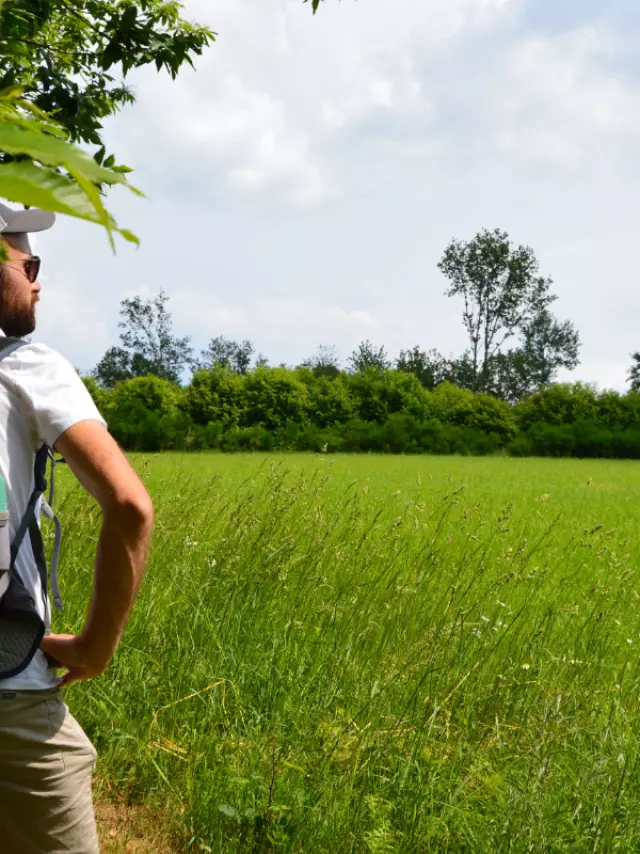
{"x":42,"y":169}
{"x":71,"y":56}
{"x":58,"y":59}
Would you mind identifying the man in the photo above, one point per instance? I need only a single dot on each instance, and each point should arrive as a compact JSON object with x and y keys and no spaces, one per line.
{"x":46,"y":760}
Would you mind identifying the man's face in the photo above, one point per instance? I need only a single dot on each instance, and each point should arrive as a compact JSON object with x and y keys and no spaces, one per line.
{"x":18,"y":296}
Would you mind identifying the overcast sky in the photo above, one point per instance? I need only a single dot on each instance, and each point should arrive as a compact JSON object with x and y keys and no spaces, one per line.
{"x":303,"y":183}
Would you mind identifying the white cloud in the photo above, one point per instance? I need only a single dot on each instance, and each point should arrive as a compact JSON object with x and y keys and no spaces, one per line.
{"x":353,"y":321}
{"x":269,"y":97}
{"x":226,"y":131}
{"x":558,"y":101}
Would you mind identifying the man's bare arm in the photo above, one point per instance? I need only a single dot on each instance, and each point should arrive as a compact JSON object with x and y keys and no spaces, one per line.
{"x":103,"y":470}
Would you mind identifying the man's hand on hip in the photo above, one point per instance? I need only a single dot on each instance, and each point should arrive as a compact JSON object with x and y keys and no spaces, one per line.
{"x":69,"y":652}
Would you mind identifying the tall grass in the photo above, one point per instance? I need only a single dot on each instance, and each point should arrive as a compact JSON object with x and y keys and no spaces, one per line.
{"x":316,"y":665}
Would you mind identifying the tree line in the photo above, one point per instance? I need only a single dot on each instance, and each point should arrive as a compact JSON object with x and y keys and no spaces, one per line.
{"x":516,"y":344}
{"x":280,"y":408}
{"x":498,"y":395}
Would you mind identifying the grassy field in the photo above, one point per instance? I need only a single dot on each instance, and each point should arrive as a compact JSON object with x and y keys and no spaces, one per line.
{"x":368,"y":654}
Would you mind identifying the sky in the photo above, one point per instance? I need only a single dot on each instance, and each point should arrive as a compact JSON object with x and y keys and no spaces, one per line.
{"x":303,"y":182}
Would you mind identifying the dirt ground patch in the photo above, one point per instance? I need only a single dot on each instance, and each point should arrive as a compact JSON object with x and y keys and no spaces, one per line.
{"x":124,"y":829}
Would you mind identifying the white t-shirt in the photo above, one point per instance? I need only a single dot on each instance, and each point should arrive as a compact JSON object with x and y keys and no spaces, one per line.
{"x":41,"y":396}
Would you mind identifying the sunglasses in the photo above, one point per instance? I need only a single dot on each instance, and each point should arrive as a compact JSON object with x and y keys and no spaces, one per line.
{"x":31,"y":267}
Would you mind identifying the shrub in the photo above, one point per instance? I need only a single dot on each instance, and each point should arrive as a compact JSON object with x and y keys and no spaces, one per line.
{"x":215,"y":395}
{"x":359,"y":435}
{"x":275,"y":398}
{"x":329,"y":402}
{"x":378,"y":394}
{"x":558,"y":404}
{"x":549,"y":440}
{"x":459,"y":407}
{"x":247,"y":439}
{"x":205,"y":438}
{"x":625,"y":444}
{"x":144,"y":415}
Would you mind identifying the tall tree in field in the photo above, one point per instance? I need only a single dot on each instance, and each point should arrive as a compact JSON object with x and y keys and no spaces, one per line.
{"x":634,"y":372}
{"x":506,"y":298}
{"x":148,"y":344}
{"x":368,"y":356}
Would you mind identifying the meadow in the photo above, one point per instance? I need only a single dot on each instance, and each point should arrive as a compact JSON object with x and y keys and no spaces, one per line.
{"x":374,"y":654}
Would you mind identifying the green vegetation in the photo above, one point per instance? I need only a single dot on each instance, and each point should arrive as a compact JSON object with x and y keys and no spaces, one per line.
{"x":368,"y":654}
{"x":385,"y":411}
{"x":419,"y":403}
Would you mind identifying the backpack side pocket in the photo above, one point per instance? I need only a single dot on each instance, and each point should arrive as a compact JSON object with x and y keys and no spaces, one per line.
{"x":21,"y":628}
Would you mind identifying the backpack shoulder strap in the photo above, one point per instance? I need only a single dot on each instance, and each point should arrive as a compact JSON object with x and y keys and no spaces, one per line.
{"x":29,"y":521}
{"x":9,"y":345}
{"x":29,"y":518}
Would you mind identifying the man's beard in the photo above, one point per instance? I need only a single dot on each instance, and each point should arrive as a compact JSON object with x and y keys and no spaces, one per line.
{"x":17,"y":321}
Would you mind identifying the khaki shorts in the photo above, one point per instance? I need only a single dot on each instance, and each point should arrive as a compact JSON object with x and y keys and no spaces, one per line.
{"x":46,"y":765}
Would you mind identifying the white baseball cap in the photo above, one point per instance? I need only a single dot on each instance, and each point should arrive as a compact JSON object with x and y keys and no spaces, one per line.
{"x":24,"y":221}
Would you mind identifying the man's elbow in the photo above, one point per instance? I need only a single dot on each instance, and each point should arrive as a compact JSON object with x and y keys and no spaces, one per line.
{"x":134,"y":510}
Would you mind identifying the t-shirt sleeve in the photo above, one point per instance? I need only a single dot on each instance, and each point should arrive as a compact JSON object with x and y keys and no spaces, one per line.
{"x":54,"y":392}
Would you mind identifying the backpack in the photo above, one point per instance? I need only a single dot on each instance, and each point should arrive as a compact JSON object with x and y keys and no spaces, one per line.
{"x":21,"y":626}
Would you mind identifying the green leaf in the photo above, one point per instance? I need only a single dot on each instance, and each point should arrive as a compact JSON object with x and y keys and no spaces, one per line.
{"x":104,"y":217}
{"x":44,"y":187}
{"x":11,"y":93}
{"x":228,"y":810}
{"x":55,"y":152}
{"x":44,"y":122}
{"x":129,"y":236}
